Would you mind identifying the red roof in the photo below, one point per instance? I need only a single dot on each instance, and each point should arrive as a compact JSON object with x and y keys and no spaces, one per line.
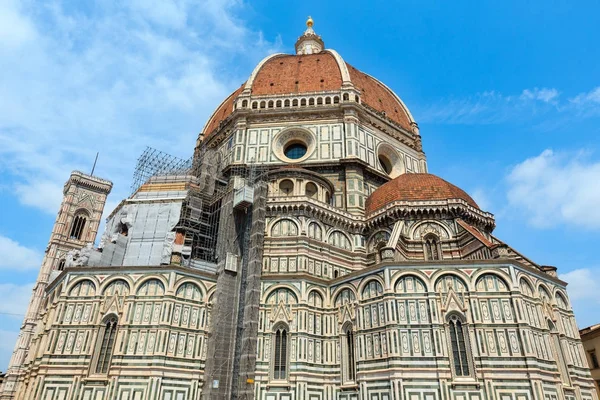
{"x":309,"y":73}
{"x":415,"y":187}
{"x":289,"y":74}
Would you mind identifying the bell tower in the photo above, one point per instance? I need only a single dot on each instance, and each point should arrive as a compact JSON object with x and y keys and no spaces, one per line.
{"x":77,"y":222}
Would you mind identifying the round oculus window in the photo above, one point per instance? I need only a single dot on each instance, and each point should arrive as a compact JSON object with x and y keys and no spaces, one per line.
{"x":295,"y":151}
{"x":385,"y":164}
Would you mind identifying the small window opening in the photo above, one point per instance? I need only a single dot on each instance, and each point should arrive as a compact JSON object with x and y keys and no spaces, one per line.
{"x":77,"y":227}
{"x":280,"y":362}
{"x":107,"y":344}
{"x":432,"y":251}
{"x":459,"y":347}
{"x":286,"y":187}
{"x":311,"y":190}
{"x":385,"y":164}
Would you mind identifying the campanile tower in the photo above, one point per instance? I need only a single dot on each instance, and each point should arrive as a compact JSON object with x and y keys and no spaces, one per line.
{"x":77,"y":222}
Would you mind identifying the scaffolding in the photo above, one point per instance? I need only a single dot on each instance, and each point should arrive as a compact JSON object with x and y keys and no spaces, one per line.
{"x":222,"y":222}
{"x":155,"y":163}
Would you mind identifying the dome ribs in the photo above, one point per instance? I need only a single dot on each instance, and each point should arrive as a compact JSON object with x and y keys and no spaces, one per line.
{"x":313,"y":72}
{"x":415,"y":187}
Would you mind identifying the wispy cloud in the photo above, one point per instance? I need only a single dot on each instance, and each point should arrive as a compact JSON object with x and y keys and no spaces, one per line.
{"x":557,"y":188}
{"x":112,"y":77}
{"x":493,"y":107}
{"x":583,"y":287}
{"x":546,"y":95}
{"x":587,"y":104}
{"x":15,"y":299}
{"x":16,"y":257}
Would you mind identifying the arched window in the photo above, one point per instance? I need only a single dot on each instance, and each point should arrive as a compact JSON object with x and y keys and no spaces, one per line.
{"x":349,"y":359}
{"x":526,"y":288}
{"x":286,"y":103}
{"x":311,"y":101}
{"x":284,"y":227}
{"x":338,"y":239}
{"x":315,"y":299}
{"x":315,"y":231}
{"x":410,"y":284}
{"x":189,"y":291}
{"x":490,"y":283}
{"x":271,"y":104}
{"x":346,"y":97}
{"x":295,"y":103}
{"x":303,"y":102}
{"x":344,"y":297}
{"x":106,"y":339}
{"x":254,"y":105}
{"x":280,"y":354}
{"x":311,"y":190}
{"x":431,"y":247}
{"x":336,"y":100}
{"x":83,"y":288}
{"x":152,"y":287}
{"x":61,"y":265}
{"x":78,"y":226}
{"x":245,"y":103}
{"x":286,"y":187}
{"x":561,"y":301}
{"x":278,"y":103}
{"x":319,"y":101}
{"x":371,"y":290}
{"x":460,"y":346}
{"x":544,"y":294}
{"x":282,"y":295}
{"x":118,"y":287}
{"x":263,"y":104}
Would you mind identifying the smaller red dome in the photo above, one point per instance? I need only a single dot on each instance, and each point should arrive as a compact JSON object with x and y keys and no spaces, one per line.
{"x":415,"y":187}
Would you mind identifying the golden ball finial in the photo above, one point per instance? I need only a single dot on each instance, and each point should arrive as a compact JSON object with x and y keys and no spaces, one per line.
{"x":310,"y":22}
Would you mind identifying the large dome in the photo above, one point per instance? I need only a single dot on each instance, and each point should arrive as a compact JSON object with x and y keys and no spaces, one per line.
{"x":322,"y":71}
{"x":416,"y":187}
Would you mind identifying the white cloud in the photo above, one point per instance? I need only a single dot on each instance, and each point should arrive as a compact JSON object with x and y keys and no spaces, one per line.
{"x":583,"y":288}
{"x":587,"y":104}
{"x":14,"y":28}
{"x":15,"y":299}
{"x":544,"y":94}
{"x":17,"y":257}
{"x":557,"y":188}
{"x":482,"y":199}
{"x":492,"y":107}
{"x":46,"y":195}
{"x":583,"y":284}
{"x":111,"y":78}
{"x":593,"y":96}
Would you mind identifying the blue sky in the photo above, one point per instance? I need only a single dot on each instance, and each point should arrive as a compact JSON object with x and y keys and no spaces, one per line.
{"x":507,"y":96}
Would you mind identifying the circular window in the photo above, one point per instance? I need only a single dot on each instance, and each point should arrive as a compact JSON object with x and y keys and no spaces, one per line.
{"x":286,"y":187}
{"x":311,"y":190}
{"x":390,"y":161}
{"x":294,"y":145}
{"x":385,"y":164}
{"x":295,"y":151}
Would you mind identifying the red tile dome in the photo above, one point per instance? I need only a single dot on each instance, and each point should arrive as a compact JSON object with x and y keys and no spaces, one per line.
{"x":326,"y":71}
{"x":415,"y":187}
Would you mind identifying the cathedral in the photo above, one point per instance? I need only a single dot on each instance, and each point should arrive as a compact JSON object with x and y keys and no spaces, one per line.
{"x":303,"y":252}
